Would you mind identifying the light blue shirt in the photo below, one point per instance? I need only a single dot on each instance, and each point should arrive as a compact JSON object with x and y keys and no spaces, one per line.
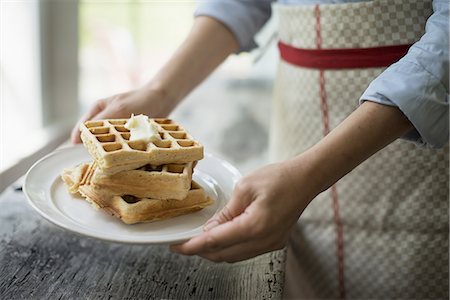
{"x":418,"y":84}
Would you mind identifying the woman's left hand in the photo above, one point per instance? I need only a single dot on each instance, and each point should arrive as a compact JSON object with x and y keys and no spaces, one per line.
{"x":258,"y":219}
{"x":267,"y":203}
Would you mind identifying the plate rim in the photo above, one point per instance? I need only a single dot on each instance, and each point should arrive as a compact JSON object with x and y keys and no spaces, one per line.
{"x":92,"y":234}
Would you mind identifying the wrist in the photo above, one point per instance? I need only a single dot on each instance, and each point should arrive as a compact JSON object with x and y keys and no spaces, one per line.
{"x":159,"y":99}
{"x":303,"y":177}
{"x":311,"y":172}
{"x":162,"y":91}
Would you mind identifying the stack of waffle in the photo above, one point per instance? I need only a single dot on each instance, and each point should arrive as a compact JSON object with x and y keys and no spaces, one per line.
{"x":138,"y":181}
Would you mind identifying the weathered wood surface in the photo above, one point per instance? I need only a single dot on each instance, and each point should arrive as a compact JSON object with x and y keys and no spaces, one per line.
{"x":40,"y":261}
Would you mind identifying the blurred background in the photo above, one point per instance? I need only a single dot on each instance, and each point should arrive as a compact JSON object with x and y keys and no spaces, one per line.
{"x":58,"y":57}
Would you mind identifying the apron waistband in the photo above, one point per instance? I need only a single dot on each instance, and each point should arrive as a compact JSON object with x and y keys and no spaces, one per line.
{"x":376,"y":57}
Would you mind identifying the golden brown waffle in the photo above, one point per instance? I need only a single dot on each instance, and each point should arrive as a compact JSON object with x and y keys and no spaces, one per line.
{"x":108,"y":143}
{"x":132,"y":209}
{"x":170,"y":181}
{"x":128,"y":208}
{"x":76,"y":176}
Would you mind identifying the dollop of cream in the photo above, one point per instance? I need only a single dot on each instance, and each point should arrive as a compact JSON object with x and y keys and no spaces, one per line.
{"x":141,"y":129}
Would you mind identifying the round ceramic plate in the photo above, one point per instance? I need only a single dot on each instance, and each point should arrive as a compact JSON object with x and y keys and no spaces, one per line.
{"x":48,"y":195}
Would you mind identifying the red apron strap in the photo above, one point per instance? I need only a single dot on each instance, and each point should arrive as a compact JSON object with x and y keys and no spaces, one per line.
{"x":334,"y":194}
{"x":377,"y":57}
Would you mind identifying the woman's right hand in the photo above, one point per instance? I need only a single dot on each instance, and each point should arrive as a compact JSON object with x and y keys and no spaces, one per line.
{"x":148,"y":101}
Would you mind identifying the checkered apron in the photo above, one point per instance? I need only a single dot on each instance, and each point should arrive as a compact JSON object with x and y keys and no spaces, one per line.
{"x":381,"y":232}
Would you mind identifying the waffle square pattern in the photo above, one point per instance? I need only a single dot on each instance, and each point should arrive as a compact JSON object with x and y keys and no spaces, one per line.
{"x":108,"y":141}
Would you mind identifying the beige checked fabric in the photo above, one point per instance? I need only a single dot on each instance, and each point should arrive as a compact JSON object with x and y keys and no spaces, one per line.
{"x":393,"y":207}
{"x":379,"y":23}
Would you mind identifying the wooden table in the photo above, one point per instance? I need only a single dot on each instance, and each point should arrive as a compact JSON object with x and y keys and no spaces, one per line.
{"x":40,"y":261}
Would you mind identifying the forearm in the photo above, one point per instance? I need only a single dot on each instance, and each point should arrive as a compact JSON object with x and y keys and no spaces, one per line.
{"x":208,"y":44}
{"x":368,"y":129}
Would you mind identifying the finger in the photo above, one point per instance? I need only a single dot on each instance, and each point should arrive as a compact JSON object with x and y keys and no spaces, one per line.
{"x":242,"y":251}
{"x":110,"y":113}
{"x":238,"y":203}
{"x":99,"y":106}
{"x":75,"y":134}
{"x":95,"y":110}
{"x":220,"y":237}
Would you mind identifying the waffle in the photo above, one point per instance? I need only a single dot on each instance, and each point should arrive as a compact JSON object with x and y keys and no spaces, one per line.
{"x":170,"y":181}
{"x":74,"y":177}
{"x":133,"y":210}
{"x":108,"y":143}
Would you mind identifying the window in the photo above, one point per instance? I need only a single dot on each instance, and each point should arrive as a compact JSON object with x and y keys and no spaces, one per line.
{"x":39,"y":81}
{"x":20,"y":109}
{"x":123,"y":44}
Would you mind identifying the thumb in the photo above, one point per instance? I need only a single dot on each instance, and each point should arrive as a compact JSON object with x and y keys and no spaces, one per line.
{"x":113,"y":112}
{"x":236,"y":206}
{"x":75,"y":135}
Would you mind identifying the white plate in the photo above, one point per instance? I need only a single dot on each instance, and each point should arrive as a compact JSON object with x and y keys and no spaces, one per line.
{"x":48,"y":195}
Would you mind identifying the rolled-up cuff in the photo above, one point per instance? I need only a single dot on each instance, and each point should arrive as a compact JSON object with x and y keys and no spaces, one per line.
{"x":237,"y":22}
{"x":420,"y":96}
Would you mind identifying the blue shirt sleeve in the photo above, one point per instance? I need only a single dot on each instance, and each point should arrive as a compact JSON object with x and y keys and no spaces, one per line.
{"x":418,"y":84}
{"x":243,"y":17}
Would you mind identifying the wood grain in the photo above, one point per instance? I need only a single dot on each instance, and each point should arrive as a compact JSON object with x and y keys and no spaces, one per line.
{"x":40,"y":261}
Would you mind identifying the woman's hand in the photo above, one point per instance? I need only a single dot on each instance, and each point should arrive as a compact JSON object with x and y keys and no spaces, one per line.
{"x":266,"y":204}
{"x":148,"y":101}
{"x":264,"y":207}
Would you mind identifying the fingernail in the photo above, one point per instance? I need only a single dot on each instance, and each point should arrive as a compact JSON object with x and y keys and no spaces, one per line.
{"x":210,"y":225}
